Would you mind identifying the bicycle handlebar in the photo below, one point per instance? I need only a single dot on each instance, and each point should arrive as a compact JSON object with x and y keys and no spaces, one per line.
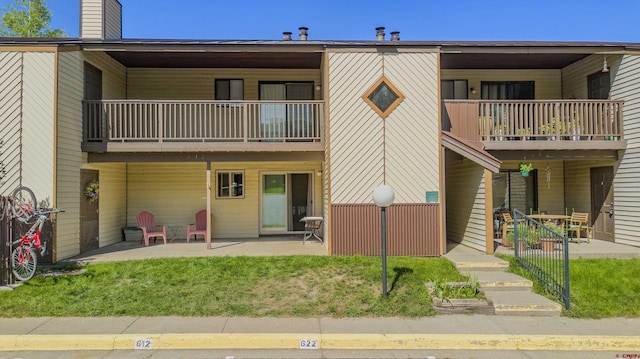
{"x":47,"y":210}
{"x":40,"y":213}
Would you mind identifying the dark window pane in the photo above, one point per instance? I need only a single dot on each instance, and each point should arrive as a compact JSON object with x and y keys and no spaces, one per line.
{"x":223,"y":91}
{"x":223,"y":184}
{"x":237,"y":185}
{"x":383,"y":97}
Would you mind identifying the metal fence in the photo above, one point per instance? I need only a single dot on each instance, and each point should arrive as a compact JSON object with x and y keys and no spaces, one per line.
{"x":6,"y":233}
{"x":542,"y":248}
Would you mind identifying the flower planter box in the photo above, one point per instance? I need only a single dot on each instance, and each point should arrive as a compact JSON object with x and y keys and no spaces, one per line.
{"x":548,"y":245}
{"x":131,"y":234}
{"x":460,"y":305}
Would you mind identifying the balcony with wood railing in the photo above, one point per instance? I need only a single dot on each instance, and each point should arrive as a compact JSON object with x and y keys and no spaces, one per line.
{"x":184,"y":126}
{"x":537,"y":124}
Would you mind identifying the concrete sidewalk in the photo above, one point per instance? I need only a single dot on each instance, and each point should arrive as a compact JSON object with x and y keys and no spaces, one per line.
{"x":444,"y":332}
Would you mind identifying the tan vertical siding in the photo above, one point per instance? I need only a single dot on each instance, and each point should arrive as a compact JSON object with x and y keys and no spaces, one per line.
{"x":412,"y":129}
{"x":91,"y":14}
{"x":466,"y":222}
{"x":113,"y":20}
{"x":355,"y":132}
{"x":37,"y":123}
{"x":547,"y":82}
{"x":174,"y":192}
{"x":10,"y":119}
{"x":199,"y":84}
{"x":626,"y":86}
{"x":412,"y":229}
{"x":69,"y":160}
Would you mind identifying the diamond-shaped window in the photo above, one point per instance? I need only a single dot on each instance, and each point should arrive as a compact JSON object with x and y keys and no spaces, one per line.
{"x":383,"y":97}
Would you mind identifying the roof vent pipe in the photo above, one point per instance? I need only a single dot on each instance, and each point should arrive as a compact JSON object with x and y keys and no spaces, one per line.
{"x":303,"y":32}
{"x":395,"y":35}
{"x":286,"y":36}
{"x":380,"y":33}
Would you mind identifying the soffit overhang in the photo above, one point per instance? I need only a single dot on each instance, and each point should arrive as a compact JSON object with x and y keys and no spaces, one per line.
{"x":473,"y":150}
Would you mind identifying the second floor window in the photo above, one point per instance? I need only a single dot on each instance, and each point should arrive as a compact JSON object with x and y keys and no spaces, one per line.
{"x":232,"y":90}
{"x":454,"y":89}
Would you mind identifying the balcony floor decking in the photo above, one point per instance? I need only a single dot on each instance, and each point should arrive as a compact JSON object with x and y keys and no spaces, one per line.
{"x":201,"y":146}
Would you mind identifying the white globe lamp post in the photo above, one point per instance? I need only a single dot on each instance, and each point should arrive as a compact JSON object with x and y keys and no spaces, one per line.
{"x":383,"y":197}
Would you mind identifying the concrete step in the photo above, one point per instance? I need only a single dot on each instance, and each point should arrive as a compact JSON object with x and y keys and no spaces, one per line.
{"x":465,"y":267}
{"x":494,"y":280}
{"x":522,"y":302}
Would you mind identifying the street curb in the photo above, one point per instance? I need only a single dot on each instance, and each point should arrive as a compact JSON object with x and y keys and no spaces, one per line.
{"x":333,"y":341}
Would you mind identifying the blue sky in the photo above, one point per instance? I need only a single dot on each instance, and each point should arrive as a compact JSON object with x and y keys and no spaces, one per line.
{"x":440,"y":20}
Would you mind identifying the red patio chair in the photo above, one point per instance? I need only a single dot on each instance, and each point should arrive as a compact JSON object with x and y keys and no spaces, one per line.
{"x":201,"y":226}
{"x":149,"y":228}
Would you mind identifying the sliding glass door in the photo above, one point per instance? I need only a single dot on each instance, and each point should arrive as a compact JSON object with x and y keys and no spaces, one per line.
{"x":281,"y":121}
{"x":274,"y":203}
{"x":286,"y":198}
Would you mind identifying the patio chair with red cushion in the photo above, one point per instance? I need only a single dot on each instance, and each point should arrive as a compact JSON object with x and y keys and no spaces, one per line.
{"x":201,"y":226}
{"x":149,"y":228}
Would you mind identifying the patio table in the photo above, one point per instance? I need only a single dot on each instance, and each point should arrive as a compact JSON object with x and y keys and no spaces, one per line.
{"x":558,"y":218}
{"x":312,"y":228}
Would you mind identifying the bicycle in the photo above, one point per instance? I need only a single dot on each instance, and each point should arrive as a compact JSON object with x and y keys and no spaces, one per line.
{"x":22,"y":206}
{"x":24,"y":260}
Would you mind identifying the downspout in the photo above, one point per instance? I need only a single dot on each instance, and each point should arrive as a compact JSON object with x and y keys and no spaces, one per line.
{"x":208,"y":204}
{"x":54,"y":200}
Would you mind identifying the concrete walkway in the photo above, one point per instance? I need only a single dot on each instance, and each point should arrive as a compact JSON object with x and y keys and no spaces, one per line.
{"x":263,"y":246}
{"x":484,"y":336}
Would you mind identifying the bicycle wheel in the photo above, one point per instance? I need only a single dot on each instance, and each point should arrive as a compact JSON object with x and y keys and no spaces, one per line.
{"x":24,"y":203}
{"x":23,"y":263}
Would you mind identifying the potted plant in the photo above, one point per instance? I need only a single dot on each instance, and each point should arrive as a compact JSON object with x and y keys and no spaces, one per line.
{"x":508,"y":240}
{"x":549,"y":235}
{"x":526,"y":236}
{"x":525,"y":133}
{"x":525,"y":168}
{"x":549,"y":129}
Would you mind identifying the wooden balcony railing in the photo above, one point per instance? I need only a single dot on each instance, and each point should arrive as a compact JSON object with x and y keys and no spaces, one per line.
{"x":203,"y":121}
{"x":555,"y":120}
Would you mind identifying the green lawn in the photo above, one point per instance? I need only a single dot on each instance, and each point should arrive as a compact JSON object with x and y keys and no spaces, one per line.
{"x":599,"y":288}
{"x":301,"y":286}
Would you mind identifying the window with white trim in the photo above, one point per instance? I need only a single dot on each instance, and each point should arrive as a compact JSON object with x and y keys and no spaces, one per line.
{"x":230,"y":184}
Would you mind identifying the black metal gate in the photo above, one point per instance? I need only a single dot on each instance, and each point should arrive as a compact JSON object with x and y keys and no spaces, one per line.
{"x":542,"y":248}
{"x":6,"y":233}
